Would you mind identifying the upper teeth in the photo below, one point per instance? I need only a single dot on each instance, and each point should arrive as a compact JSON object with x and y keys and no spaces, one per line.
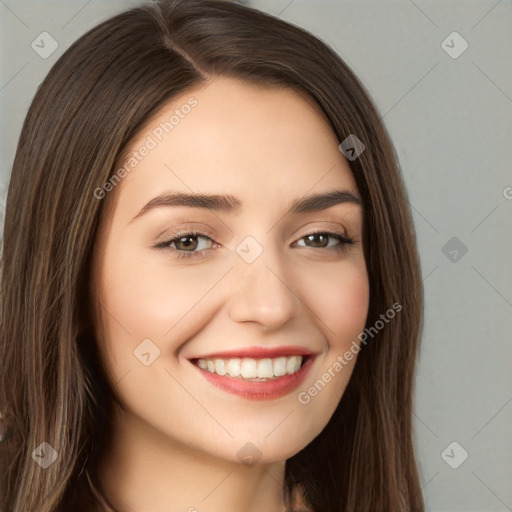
{"x":252,"y":368}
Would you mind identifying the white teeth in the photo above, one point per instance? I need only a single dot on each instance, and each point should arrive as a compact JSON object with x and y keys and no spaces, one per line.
{"x":248,"y":368}
{"x":265,"y":370}
{"x":291,"y":365}
{"x":280,"y":366}
{"x":233,"y":367}
{"x":220,"y":367}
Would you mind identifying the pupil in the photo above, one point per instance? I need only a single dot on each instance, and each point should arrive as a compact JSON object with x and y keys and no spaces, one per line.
{"x":313,"y":236}
{"x":188,"y":238}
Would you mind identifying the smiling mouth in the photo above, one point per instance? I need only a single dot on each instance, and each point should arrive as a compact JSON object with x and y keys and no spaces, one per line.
{"x":253,"y":369}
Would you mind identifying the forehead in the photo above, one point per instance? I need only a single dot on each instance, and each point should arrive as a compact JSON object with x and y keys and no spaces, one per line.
{"x":229,"y":136}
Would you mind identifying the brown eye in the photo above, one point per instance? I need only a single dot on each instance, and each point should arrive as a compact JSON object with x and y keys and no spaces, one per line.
{"x":186,"y":244}
{"x":320,"y":240}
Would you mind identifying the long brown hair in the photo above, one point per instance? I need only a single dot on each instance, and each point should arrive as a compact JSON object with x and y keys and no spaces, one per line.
{"x":95,"y":99}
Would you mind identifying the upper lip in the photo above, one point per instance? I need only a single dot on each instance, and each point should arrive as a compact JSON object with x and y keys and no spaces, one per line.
{"x":259,"y":352}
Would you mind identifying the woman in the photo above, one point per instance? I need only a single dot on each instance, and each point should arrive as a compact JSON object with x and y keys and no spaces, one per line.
{"x":272,"y":369}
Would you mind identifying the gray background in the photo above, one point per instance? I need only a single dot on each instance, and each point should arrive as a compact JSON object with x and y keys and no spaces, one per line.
{"x":450,"y":120}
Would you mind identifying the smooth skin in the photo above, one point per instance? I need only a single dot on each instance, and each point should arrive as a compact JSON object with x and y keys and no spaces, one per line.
{"x":178,"y":439}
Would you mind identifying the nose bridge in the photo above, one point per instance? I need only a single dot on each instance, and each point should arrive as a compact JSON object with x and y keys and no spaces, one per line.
{"x":261,"y":292}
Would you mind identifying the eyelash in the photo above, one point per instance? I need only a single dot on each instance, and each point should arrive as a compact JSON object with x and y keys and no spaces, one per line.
{"x":165,"y":245}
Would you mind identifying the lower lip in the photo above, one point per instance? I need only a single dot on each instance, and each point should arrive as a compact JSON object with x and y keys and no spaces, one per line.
{"x":264,"y":390}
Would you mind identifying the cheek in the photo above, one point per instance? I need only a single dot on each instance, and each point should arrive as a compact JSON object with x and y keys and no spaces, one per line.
{"x":133,"y":309}
{"x":143,"y":299}
{"x":150,"y":298}
{"x":348,"y":311}
{"x":341,"y":300}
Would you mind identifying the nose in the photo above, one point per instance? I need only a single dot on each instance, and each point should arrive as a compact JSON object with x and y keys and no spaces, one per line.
{"x":263,"y":294}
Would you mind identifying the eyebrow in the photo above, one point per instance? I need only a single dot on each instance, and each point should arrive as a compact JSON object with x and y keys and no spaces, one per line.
{"x":232,"y":205}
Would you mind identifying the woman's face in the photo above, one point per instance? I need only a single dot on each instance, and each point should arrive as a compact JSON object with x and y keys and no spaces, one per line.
{"x":254,"y":278}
